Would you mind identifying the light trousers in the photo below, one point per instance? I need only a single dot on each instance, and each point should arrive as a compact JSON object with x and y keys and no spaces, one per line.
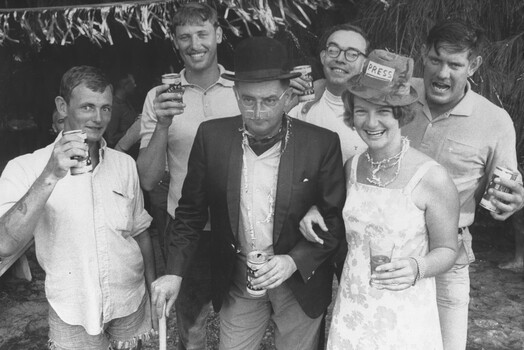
{"x":244,"y":319}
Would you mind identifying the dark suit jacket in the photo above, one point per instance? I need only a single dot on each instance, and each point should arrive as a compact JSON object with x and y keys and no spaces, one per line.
{"x":310,"y":173}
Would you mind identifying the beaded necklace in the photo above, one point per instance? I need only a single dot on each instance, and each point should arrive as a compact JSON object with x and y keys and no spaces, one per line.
{"x":286,"y":123}
{"x":385,"y":164}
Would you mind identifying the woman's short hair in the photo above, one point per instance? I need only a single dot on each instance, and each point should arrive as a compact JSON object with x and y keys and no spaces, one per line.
{"x":404,"y":114}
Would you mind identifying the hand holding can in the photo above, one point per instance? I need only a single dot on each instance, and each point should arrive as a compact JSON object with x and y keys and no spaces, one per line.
{"x":501,"y":172}
{"x":168,"y":100}
{"x":174,"y":80}
{"x":255,"y":260}
{"x":309,"y":92}
{"x":84,"y":163}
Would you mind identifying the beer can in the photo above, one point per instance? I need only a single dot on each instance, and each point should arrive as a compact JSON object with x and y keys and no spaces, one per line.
{"x":255,"y":260}
{"x":174,"y":80}
{"x":309,"y":93}
{"x":504,"y":174}
{"x":84,"y":165}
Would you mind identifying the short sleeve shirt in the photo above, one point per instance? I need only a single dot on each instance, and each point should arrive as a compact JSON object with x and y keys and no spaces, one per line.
{"x":470,"y":141}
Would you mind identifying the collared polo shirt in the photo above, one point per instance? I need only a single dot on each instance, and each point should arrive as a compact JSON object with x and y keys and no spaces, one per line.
{"x":84,"y":236}
{"x":470,"y":141}
{"x":328,"y":113}
{"x":217,"y":101}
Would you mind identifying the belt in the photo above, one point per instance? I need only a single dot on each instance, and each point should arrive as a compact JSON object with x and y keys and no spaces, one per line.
{"x":462,"y":229}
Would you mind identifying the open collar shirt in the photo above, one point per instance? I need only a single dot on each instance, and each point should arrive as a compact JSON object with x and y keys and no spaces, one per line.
{"x":257,"y":198}
{"x":84,"y":237}
{"x":217,"y":101}
{"x":470,"y":141}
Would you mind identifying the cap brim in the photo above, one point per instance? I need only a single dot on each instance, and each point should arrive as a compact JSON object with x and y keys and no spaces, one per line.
{"x":372,"y":96}
{"x":258,"y":79}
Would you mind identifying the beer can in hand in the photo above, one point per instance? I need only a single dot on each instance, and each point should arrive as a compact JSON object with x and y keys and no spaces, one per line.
{"x":255,"y":260}
{"x":84,"y":165}
{"x":309,"y":93}
{"x":174,"y":80}
{"x":486,"y":198}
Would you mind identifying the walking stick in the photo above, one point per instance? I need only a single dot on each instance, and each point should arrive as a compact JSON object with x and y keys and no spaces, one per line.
{"x":162,"y":335}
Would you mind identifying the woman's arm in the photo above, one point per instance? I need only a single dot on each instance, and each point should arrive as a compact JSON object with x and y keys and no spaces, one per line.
{"x":437,"y":195}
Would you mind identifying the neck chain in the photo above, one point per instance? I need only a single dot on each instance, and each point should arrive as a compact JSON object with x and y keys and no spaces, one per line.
{"x":271,"y":196}
{"x":385,"y":164}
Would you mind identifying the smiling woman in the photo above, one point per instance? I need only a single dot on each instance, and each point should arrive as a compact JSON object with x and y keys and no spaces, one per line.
{"x":391,"y":200}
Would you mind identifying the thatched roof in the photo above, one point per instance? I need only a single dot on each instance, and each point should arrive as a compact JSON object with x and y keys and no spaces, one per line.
{"x":141,"y":19}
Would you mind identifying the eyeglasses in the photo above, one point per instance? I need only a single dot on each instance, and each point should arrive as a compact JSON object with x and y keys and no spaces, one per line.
{"x":268,"y":102}
{"x":350,"y":54}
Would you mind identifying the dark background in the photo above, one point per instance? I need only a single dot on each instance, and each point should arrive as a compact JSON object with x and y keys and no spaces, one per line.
{"x":30,"y":76}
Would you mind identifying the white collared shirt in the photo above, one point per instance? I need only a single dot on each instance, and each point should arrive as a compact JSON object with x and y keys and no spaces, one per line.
{"x":84,"y":238}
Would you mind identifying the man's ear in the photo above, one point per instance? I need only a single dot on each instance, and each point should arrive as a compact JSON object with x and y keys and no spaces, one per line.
{"x":474,"y":65}
{"x":288,"y":100}
{"x":424,"y":53}
{"x":322,"y":56}
{"x":61,"y":106}
{"x":175,"y":42}
{"x":218,"y":33}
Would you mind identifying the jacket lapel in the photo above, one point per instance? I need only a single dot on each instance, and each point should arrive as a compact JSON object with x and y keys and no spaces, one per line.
{"x":284,"y":185}
{"x":234,"y":181}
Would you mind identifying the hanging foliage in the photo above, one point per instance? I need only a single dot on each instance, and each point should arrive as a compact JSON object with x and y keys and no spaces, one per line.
{"x":141,"y":19}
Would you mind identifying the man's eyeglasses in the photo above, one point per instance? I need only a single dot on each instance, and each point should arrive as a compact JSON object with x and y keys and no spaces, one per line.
{"x":350,"y":54}
{"x":269,"y":102}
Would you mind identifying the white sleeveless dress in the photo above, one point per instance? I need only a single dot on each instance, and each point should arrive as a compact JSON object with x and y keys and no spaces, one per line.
{"x":367,"y":318}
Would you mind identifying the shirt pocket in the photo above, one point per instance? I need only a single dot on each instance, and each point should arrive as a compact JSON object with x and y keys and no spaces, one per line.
{"x":120,"y":212}
{"x":460,"y":158}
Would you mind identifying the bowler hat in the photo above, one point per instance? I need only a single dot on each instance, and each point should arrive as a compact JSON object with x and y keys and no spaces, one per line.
{"x":259,"y":59}
{"x":385,"y":80}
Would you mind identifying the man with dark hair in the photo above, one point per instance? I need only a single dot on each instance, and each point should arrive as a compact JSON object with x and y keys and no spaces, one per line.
{"x":255,"y":175}
{"x":88,"y":221}
{"x":343,"y":50}
{"x":168,"y":130}
{"x":470,"y":137}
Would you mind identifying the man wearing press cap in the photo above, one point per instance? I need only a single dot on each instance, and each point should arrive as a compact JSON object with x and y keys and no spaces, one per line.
{"x":470,"y":137}
{"x":256,"y":175}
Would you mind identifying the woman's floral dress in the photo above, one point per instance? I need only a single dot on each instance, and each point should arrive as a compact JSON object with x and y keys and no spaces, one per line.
{"x":367,"y":318}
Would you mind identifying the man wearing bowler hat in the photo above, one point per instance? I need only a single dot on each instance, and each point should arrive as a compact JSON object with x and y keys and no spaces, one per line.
{"x":256,"y":175}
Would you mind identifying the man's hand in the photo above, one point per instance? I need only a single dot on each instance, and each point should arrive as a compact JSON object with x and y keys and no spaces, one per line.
{"x":164,"y":289}
{"x":273,"y":273}
{"x":298,"y":85}
{"x":60,"y":161}
{"x":311,"y":218}
{"x":507,"y":203}
{"x":167,"y":105}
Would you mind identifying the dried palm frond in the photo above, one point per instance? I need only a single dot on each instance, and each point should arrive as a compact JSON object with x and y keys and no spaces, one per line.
{"x":142,"y":19}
